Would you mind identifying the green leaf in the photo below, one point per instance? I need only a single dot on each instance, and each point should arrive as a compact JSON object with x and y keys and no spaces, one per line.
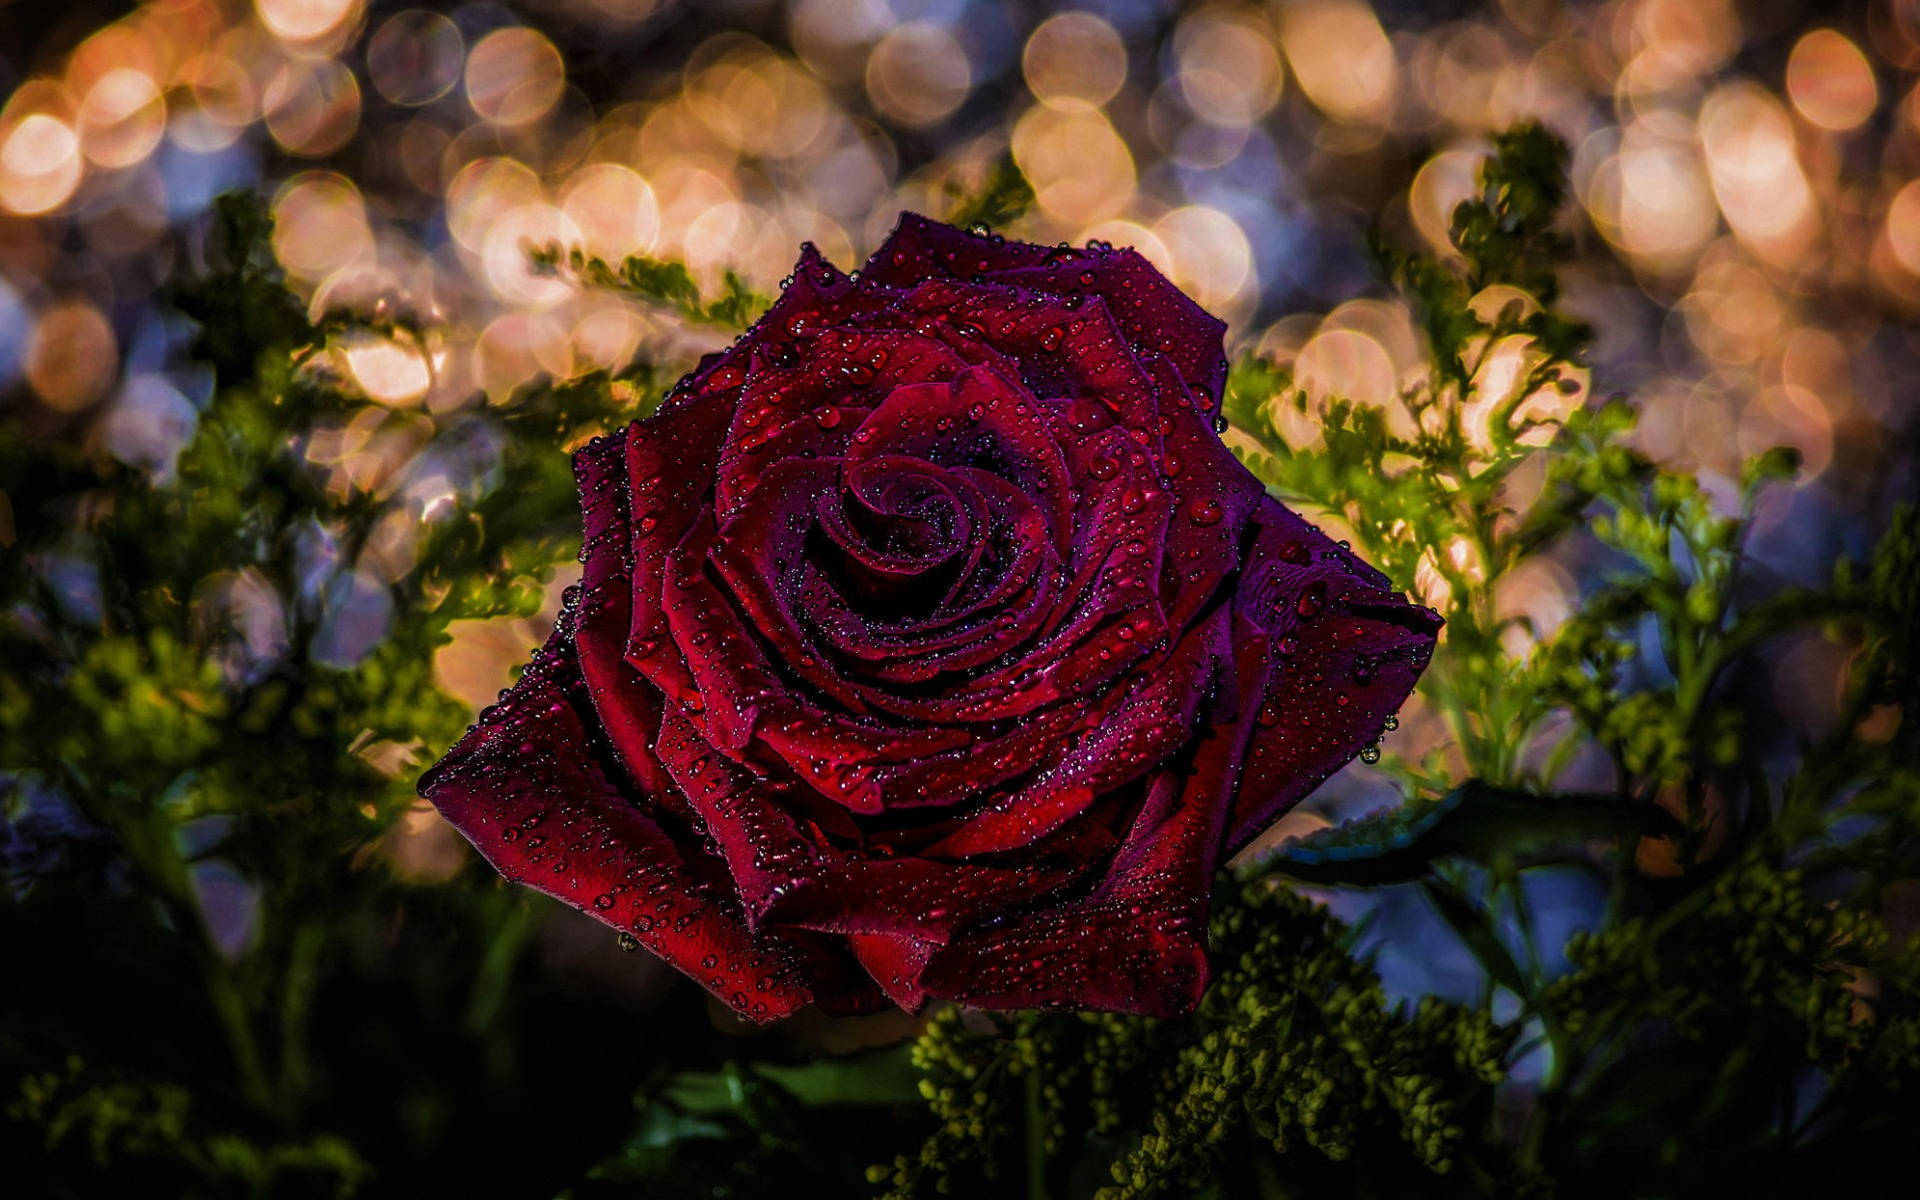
{"x":1475,"y":821}
{"x":882,"y":1077}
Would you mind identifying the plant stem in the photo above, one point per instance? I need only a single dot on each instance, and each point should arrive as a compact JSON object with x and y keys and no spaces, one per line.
{"x":302,"y":961}
{"x":1036,"y":1138}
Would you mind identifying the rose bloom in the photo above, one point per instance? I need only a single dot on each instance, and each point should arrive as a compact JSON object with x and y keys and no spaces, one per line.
{"x":931,"y":644}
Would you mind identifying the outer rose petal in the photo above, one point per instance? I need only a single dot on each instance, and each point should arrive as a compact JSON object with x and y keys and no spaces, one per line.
{"x":1156,"y":315}
{"x":629,"y":710}
{"x":818,"y":294}
{"x":671,"y":459}
{"x":528,"y":790}
{"x":1145,"y":724}
{"x":1344,"y":654}
{"x":1213,"y":495}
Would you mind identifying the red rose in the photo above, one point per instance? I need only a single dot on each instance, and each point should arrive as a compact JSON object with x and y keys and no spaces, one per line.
{"x":930,"y":643}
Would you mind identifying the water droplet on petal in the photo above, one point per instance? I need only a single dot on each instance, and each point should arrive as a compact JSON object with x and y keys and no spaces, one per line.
{"x":1312,"y":599}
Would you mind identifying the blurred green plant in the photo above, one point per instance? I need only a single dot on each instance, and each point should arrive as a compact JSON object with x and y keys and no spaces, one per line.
{"x":181,"y":688}
{"x":1739,"y":1013}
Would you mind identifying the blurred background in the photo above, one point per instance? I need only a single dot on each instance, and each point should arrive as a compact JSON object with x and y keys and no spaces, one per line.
{"x":1747,"y":174}
{"x":1748,"y":170}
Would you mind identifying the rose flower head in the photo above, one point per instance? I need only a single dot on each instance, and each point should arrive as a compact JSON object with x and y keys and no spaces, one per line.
{"x":931,"y":644}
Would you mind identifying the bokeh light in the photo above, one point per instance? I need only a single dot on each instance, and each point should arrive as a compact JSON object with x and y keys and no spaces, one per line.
{"x":1074,"y":58}
{"x":1831,"y":81}
{"x":514,"y":76}
{"x":1079,"y":166}
{"x":73,"y":357}
{"x":918,"y":74}
{"x":39,"y":163}
{"x":415,"y":57}
{"x":306,"y":20}
{"x":1341,"y":57}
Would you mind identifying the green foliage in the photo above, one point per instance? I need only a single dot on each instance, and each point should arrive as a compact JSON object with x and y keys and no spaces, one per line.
{"x":1475,"y":822}
{"x":1295,"y":1053}
{"x":691,"y":1128}
{"x":181,"y":680}
{"x":666,"y":284}
{"x":152,"y":1124}
{"x":1004,"y":196}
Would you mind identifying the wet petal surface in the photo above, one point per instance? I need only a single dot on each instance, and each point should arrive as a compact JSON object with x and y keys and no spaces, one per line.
{"x":931,"y":644}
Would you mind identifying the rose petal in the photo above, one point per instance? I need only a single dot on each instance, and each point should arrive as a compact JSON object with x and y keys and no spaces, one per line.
{"x":997,"y":600}
{"x":671,"y":459}
{"x":817,"y":294}
{"x":977,"y":420}
{"x":1136,"y":943}
{"x":1143,"y":726}
{"x":527,"y":789}
{"x":919,"y":247}
{"x":1345,"y":653}
{"x":895,"y":963}
{"x":790,"y":875}
{"x":812,"y":409}
{"x":1156,"y":316}
{"x":1213,"y":496}
{"x":1060,"y":350}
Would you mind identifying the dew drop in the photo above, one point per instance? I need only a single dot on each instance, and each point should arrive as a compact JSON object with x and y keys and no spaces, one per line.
{"x":1312,"y":599}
